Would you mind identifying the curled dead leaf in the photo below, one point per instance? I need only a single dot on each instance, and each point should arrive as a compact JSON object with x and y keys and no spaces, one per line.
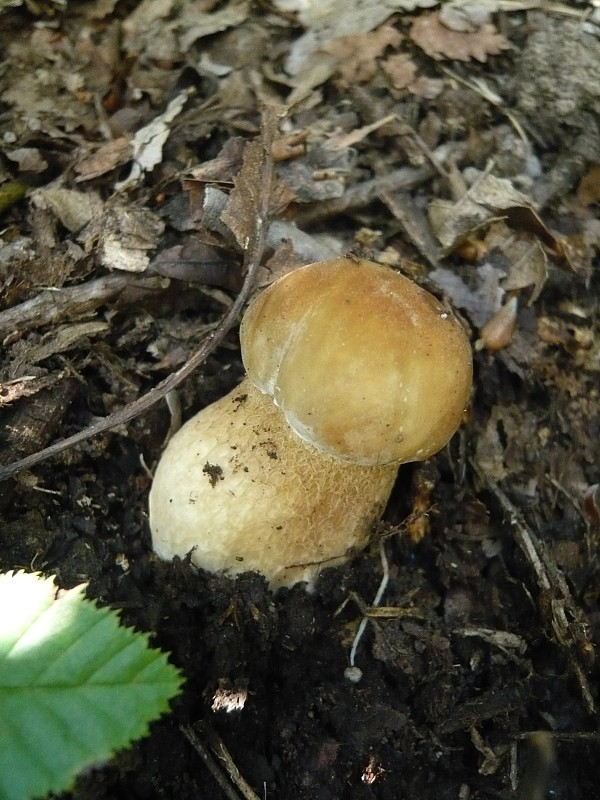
{"x":439,"y":42}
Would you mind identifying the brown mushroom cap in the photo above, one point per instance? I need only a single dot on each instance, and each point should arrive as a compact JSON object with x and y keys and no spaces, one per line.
{"x":364,"y":364}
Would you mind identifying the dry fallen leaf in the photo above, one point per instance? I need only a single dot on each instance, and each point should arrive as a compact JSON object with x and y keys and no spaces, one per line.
{"x":439,"y":42}
{"x":197,"y":25}
{"x":126,"y":237}
{"x":325,"y":22}
{"x":357,"y":55}
{"x":481,"y":302}
{"x":148,"y":142}
{"x":240,"y":212}
{"x":248,"y":204}
{"x":528,"y":263}
{"x":400,"y":69}
{"x":29,"y":159}
{"x":142,"y":22}
{"x":487,"y":199}
{"x":74,"y":209}
{"x":106,"y":158}
{"x":466,"y":15}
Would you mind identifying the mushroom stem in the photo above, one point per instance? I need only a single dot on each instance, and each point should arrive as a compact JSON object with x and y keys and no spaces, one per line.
{"x":239,"y":454}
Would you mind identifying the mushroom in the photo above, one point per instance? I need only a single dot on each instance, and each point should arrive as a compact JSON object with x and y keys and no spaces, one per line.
{"x":352,"y":369}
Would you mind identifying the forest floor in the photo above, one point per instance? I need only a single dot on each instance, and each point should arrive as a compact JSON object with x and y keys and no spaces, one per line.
{"x":458,"y":144}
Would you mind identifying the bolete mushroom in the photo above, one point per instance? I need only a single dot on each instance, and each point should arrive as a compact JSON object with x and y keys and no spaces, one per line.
{"x":352,"y":369}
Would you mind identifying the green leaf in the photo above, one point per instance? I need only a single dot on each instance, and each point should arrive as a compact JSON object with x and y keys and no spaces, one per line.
{"x":75,"y":685}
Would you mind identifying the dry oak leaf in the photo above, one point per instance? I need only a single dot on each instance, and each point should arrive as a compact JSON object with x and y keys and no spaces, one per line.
{"x":439,"y":42}
{"x":357,"y":55}
{"x":400,"y":69}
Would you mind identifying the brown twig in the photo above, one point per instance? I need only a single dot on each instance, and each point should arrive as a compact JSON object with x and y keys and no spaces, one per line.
{"x":218,"y":747}
{"x":222,"y":753}
{"x":252,"y":259}
{"x":559,"y":612}
{"x":209,"y":762}
{"x":52,"y":305}
{"x":364,"y":193}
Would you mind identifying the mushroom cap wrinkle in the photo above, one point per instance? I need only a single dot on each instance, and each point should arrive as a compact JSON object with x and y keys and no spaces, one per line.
{"x":352,"y":369}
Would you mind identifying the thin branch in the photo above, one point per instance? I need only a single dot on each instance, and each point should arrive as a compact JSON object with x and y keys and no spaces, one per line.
{"x":52,"y":305}
{"x":209,"y":762}
{"x":365,"y":193}
{"x":218,"y":747}
{"x":559,"y":612}
{"x":252,"y":259}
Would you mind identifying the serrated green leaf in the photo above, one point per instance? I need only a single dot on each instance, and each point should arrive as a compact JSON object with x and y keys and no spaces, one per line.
{"x":75,"y":685}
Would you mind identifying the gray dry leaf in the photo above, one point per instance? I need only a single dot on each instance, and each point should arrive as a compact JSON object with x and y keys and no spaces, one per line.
{"x":439,"y":41}
{"x":39,"y":102}
{"x":485,"y":200}
{"x":197,"y":25}
{"x":170,"y":27}
{"x":126,"y":237}
{"x":480,"y":303}
{"x":103,"y":159}
{"x":74,"y":209}
{"x":324,"y":22}
{"x":314,"y":13}
{"x":139,"y":25}
{"x":306,"y":247}
{"x":469,"y":15}
{"x":453,"y":221}
{"x":29,"y":159}
{"x":148,"y":142}
{"x":242,"y":212}
{"x":320,"y":174}
{"x":6,"y":4}
{"x":528,"y":263}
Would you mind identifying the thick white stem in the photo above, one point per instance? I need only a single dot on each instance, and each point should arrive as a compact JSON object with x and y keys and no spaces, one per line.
{"x":242,"y":491}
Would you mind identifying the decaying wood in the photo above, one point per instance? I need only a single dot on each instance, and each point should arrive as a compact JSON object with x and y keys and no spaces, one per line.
{"x":15,"y":389}
{"x":53,"y":305}
{"x":364,"y":193}
{"x":33,"y":424}
{"x":493,"y":703}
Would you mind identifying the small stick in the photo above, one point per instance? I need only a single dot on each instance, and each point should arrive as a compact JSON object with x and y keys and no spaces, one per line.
{"x":52,"y":305}
{"x":252,"y":259}
{"x":209,"y":762}
{"x":223,"y":754}
{"x":364,"y":193}
{"x":564,"y":618}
